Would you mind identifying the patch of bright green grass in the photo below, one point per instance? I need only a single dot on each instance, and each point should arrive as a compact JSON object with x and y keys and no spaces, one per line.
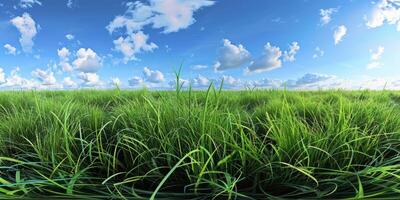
{"x":200,"y":144}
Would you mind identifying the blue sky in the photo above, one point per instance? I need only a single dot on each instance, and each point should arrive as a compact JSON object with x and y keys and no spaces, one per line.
{"x":299,"y":44}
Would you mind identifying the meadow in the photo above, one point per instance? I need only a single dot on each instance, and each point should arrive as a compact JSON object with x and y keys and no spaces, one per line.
{"x":186,"y":144}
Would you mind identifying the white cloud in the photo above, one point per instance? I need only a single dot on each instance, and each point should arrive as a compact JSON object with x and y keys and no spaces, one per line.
{"x":153,"y":76}
{"x":326,"y":15}
{"x":231,"y":82}
{"x":173,"y":15}
{"x":27,"y":28}
{"x":90,"y":79}
{"x":201,"y":81}
{"x":199,"y":67}
{"x":277,"y":20}
{"x":69,"y":36}
{"x":182,"y":82}
{"x":289,"y":56}
{"x":270,"y":60}
{"x":63,"y":55}
{"x":231,"y":56}
{"x":309,"y":81}
{"x":135,"y":81}
{"x":87,"y":61}
{"x":70,"y":3}
{"x":16,"y":81}
{"x":339,"y":33}
{"x":45,"y":77}
{"x":312,"y":81}
{"x":378,"y":53}
{"x":28,"y":3}
{"x":375,"y":84}
{"x":169,"y":15}
{"x":385,"y":11}
{"x":2,"y":76}
{"x":65,"y":66}
{"x":375,"y":58}
{"x":133,"y":44}
{"x":10,"y":49}
{"x":312,"y":78}
{"x":318,"y":52}
{"x":115,"y":82}
{"x":167,"y":48}
{"x":379,"y":83}
{"x":374,"y":65}
{"x":267,"y":83}
{"x":69,"y":83}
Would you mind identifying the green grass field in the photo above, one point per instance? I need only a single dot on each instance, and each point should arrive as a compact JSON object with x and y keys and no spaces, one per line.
{"x":200,"y":144}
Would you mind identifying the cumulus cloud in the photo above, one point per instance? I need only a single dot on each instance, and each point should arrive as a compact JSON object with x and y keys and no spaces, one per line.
{"x":133,"y":44}
{"x":63,"y":55}
{"x":70,"y":3}
{"x":10,"y":49}
{"x":90,"y":79}
{"x":199,"y":67}
{"x":385,"y":11}
{"x":339,"y":33}
{"x":153,"y":76}
{"x":2,"y":76}
{"x":65,"y":66}
{"x":173,"y":15}
{"x":326,"y":15}
{"x":182,"y":82}
{"x":70,"y":37}
{"x":374,"y":65}
{"x":115,"y":82}
{"x":375,"y":84}
{"x":45,"y":77}
{"x":378,"y":53}
{"x":201,"y":81}
{"x":318,"y":52}
{"x":15,"y":81}
{"x":379,"y":83}
{"x":267,"y":83}
{"x":312,"y":81}
{"x":87,"y":61}
{"x":231,"y":82}
{"x":234,"y":56}
{"x":69,"y":83}
{"x":375,"y":58}
{"x":312,"y":78}
{"x":135,"y":81}
{"x":289,"y":56}
{"x":28,"y":3}
{"x":309,"y":81}
{"x":27,"y":28}
{"x":231,"y":56}
{"x":270,"y":60}
{"x":168,"y":15}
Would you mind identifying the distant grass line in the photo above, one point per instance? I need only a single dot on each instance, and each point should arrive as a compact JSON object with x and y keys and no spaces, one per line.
{"x":251,"y":144}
